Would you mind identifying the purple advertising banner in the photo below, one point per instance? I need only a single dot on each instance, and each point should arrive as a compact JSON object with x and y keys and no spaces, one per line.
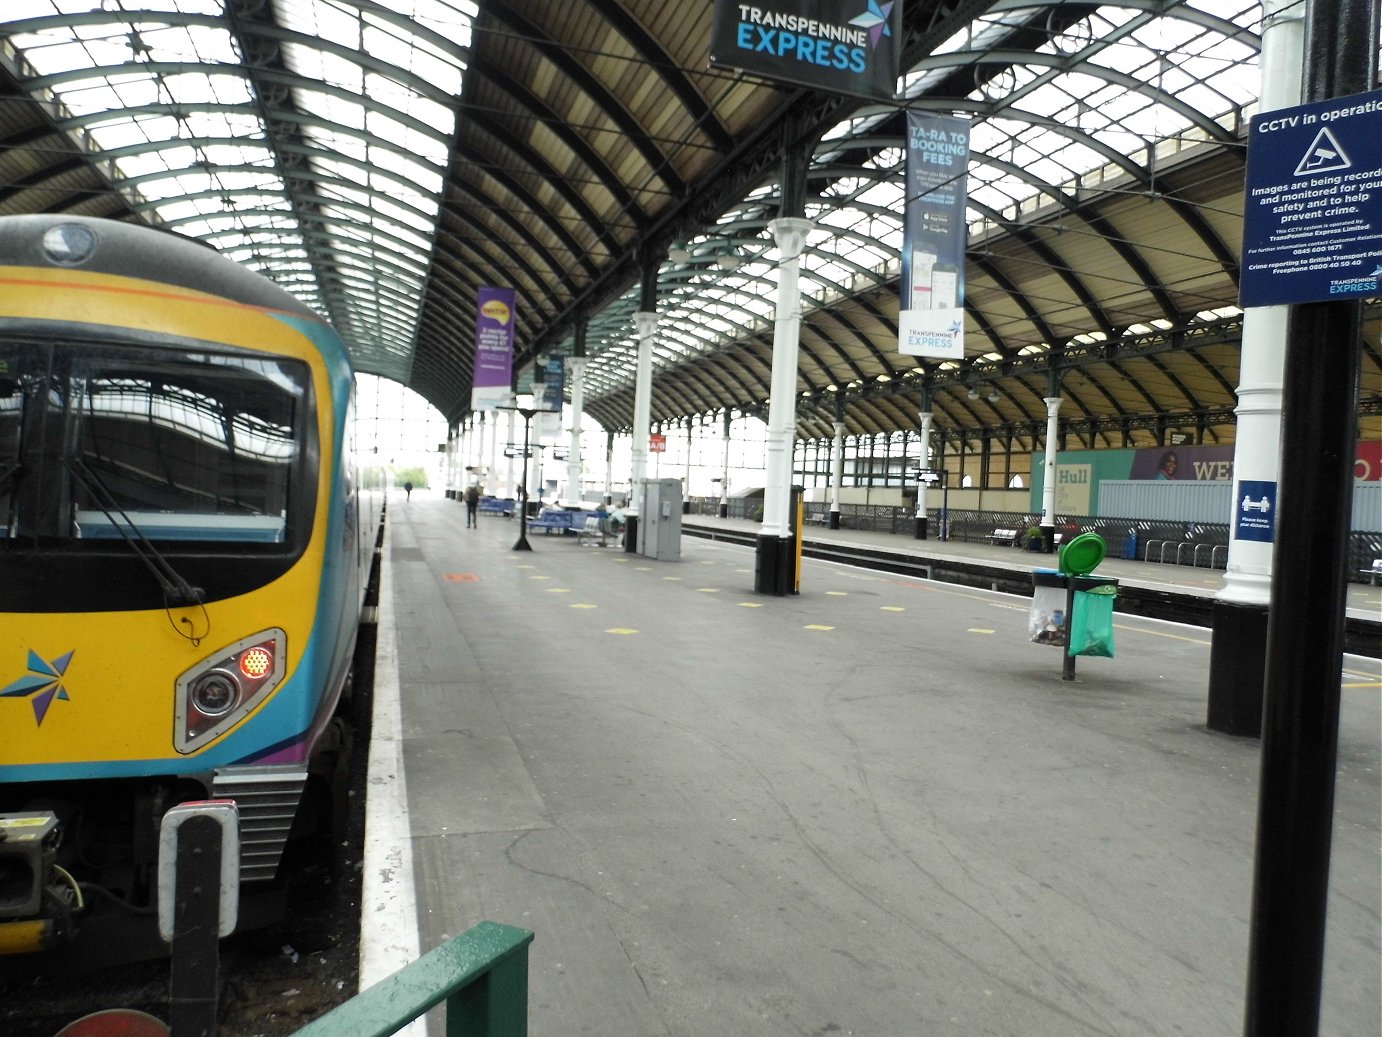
{"x":1192,"y":463}
{"x":493,"y":379}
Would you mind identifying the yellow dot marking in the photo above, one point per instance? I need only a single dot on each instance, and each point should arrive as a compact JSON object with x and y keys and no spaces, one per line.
{"x":750,"y":604}
{"x":643,"y":568}
{"x":816,"y":626}
{"x":620,"y":630}
{"x":978,"y":630}
{"x":558,"y":590}
{"x":743,"y":570}
{"x":838,"y":594}
{"x":674,"y":578}
{"x":892,"y":608}
{"x":527,"y":566}
{"x":709,"y":590}
{"x":582,"y":605}
{"x":539,"y":577}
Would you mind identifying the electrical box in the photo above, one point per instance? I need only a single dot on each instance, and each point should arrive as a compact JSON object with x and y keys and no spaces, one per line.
{"x":659,"y":520}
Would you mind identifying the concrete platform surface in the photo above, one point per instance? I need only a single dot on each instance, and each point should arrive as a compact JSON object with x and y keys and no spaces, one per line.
{"x":870,"y":809}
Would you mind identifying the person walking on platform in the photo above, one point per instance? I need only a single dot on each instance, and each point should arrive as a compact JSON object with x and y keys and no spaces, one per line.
{"x":408,"y":490}
{"x":472,"y":504}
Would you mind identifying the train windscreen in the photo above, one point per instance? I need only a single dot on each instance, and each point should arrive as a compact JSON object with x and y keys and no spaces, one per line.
{"x":100,"y":441}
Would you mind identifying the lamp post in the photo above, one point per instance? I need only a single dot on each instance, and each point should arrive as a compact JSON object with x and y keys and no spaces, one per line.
{"x":522,"y":543}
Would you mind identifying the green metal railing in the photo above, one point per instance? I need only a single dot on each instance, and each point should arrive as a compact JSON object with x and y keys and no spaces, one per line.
{"x":482,"y":975}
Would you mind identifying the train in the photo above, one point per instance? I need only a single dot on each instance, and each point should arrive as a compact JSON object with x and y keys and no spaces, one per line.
{"x":185,"y":553}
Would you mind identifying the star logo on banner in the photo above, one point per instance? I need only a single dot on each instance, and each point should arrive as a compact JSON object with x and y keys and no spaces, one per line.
{"x":43,"y":682}
{"x":875,"y":20}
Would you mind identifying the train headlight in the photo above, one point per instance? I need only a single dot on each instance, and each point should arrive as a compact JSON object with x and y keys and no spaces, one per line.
{"x":215,"y":694}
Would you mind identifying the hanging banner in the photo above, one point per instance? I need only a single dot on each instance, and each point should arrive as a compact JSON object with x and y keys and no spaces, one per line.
{"x":931,"y":317}
{"x":494,"y":318}
{"x":553,"y":391}
{"x":845,"y":46}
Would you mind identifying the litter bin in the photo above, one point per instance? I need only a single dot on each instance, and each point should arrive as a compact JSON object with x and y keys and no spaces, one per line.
{"x":1091,"y":615}
{"x":1046,"y":618}
{"x":1130,"y":546}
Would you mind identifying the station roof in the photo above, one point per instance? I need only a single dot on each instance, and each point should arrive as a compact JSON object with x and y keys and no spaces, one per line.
{"x":383,"y":159}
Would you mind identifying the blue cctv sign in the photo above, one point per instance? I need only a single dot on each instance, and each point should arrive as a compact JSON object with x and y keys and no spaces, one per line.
{"x":1312,"y":207}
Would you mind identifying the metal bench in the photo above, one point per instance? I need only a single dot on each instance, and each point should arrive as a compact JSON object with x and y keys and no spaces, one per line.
{"x":495,"y":506}
{"x":595,"y":532}
{"x":550,"y":521}
{"x":1005,"y":537}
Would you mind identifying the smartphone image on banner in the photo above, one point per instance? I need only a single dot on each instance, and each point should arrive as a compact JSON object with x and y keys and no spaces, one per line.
{"x":945,"y":284}
{"x":923,"y":261}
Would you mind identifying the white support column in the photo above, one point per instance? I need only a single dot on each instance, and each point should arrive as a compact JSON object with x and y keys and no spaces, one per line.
{"x":609,"y":467}
{"x":491,"y":479}
{"x":926,"y":417}
{"x":1257,"y":446}
{"x":837,"y":470}
{"x":790,"y":234}
{"x":724,"y":469}
{"x":646,"y":324}
{"x":1238,"y":647}
{"x":690,"y":449}
{"x":510,"y":485}
{"x":575,"y":366}
{"x":1048,"y":485}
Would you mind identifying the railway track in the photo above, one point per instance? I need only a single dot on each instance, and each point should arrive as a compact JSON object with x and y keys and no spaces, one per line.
{"x":1361,"y":636}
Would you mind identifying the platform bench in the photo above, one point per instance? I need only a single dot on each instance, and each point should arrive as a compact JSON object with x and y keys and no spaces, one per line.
{"x":1005,"y":537}
{"x":1375,"y":573}
{"x":495,"y":506}
{"x":553,"y":521}
{"x":591,"y":533}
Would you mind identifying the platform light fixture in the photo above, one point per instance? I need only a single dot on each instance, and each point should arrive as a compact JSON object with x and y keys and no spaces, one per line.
{"x":973,"y":393}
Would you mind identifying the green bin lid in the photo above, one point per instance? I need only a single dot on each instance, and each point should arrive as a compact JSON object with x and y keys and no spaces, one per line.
{"x":1081,"y":555}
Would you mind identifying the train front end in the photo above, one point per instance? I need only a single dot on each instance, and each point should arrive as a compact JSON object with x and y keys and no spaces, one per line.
{"x":178,"y":584}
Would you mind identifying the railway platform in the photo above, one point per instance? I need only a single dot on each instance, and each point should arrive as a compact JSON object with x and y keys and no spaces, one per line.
{"x":872,"y":808}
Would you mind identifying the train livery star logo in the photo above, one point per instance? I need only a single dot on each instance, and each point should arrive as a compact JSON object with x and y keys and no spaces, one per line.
{"x":43,"y":682}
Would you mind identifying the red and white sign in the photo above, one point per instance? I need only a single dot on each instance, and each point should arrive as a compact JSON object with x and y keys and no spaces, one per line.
{"x":657,"y":443}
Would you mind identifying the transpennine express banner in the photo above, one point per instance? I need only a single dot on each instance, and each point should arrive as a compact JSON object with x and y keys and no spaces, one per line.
{"x":493,"y":380}
{"x":845,"y":46}
{"x":931,"y":317}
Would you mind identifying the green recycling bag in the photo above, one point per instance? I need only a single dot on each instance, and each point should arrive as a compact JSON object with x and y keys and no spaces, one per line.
{"x":1091,"y":620}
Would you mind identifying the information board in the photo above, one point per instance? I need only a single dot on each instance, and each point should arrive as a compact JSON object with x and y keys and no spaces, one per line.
{"x":1312,"y":217}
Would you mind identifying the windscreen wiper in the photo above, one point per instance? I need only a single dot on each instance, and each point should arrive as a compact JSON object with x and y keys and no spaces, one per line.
{"x":176,"y":590}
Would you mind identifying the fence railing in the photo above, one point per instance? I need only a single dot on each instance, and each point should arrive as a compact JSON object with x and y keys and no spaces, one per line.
{"x":482,"y":975}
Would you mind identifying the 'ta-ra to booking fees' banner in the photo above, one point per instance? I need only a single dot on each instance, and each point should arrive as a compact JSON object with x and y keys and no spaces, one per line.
{"x":931,"y":318}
